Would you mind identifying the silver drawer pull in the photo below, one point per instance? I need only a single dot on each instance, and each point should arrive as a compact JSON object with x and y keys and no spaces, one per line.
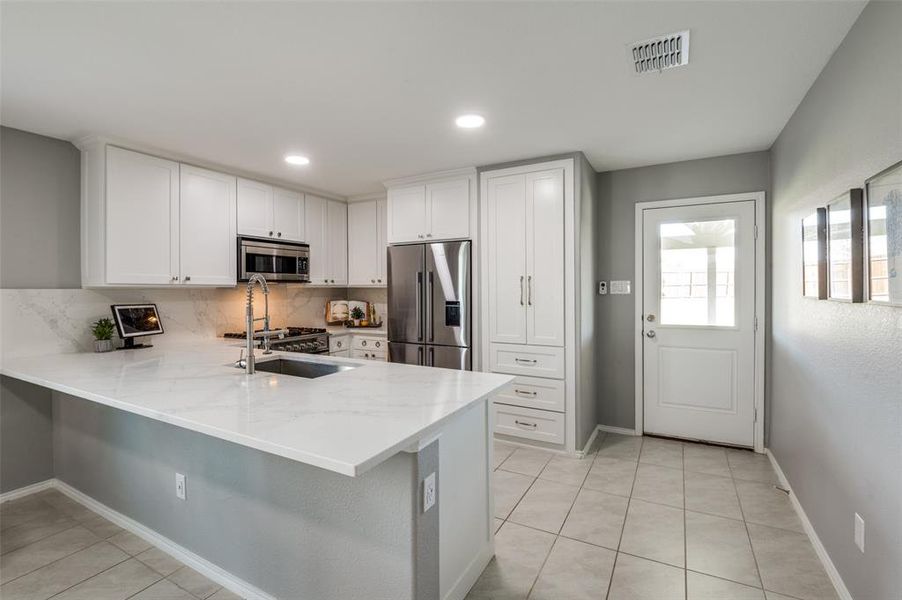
{"x":525,"y":361}
{"x":525,"y":393}
{"x":525,"y":424}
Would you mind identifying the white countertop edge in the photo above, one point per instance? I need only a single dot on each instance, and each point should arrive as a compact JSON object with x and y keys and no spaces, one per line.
{"x":343,"y":468}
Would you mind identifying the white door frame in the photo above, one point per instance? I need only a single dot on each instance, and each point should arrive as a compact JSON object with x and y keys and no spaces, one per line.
{"x":760,"y":295}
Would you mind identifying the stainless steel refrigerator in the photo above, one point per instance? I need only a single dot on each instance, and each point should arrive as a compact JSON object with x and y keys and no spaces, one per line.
{"x":430,"y":305}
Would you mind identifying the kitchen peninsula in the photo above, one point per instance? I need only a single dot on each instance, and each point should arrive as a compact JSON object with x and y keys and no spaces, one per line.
{"x":299,"y":488}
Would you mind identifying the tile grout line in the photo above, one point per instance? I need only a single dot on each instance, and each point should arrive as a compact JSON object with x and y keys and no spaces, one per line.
{"x":745,"y":524}
{"x":99,"y":573}
{"x":685,"y":533}
{"x":75,"y":524}
{"x":53,"y":562}
{"x":626,"y":514}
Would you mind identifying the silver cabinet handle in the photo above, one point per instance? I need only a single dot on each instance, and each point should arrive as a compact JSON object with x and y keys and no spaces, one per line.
{"x":650,"y":334}
{"x":378,"y":344}
{"x":525,"y":393}
{"x":521,"y":290}
{"x":372,"y":281}
{"x":270,"y":234}
{"x":525,"y":424}
{"x":420,"y":235}
{"x":526,"y":361}
{"x":175,"y":277}
{"x":529,"y":290}
{"x":280,"y":234}
{"x":363,"y":343}
{"x":187,"y":278}
{"x":428,"y":235}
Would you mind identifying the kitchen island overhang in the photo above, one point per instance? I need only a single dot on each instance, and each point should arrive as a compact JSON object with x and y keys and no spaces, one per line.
{"x":276,"y":511}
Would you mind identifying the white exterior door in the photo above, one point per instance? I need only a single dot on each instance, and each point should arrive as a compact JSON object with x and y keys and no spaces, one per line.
{"x":698,"y":310}
{"x":448,"y":209}
{"x":255,"y":209}
{"x":142,"y":218}
{"x":507,"y":223}
{"x":315,"y":220}
{"x":207,"y":249}
{"x":407,"y":214}
{"x":545,"y":258}
{"x":288,"y":215}
{"x":363,"y":243}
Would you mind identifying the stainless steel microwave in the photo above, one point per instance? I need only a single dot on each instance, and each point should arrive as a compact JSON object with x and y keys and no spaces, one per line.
{"x":276,"y":261}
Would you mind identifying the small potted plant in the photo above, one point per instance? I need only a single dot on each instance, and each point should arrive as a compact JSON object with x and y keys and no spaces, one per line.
{"x":357,"y":315}
{"x":103,"y":334}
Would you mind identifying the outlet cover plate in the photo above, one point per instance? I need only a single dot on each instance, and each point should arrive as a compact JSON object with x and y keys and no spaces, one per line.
{"x":180,"y":486}
{"x":429,"y":492}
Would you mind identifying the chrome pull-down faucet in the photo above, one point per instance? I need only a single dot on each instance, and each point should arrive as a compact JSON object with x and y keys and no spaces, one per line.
{"x":248,"y":363}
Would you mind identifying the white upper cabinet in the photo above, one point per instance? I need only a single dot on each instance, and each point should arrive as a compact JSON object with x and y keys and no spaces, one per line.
{"x":428,"y":209}
{"x":526,"y":268}
{"x":207,"y":245}
{"x":142,"y":219}
{"x":363,"y":243}
{"x":255,"y":208}
{"x":327,"y":235}
{"x":382,"y":241}
{"x":288,"y":215}
{"x":270,"y":212}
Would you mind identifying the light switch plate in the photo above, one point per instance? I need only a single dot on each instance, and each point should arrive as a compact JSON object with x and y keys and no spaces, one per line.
{"x":429,"y":492}
{"x":620,"y":287}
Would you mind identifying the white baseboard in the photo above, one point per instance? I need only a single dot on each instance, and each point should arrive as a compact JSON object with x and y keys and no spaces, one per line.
{"x":201,"y":565}
{"x":620,"y":430}
{"x":589,"y":443}
{"x":841,"y":590}
{"x":468,"y":578}
{"x":27,"y":490}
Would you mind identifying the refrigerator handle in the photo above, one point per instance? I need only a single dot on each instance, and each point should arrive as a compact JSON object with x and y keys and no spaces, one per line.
{"x":419,"y":306}
{"x":430,"y":325}
{"x":420,"y":355}
{"x":431,"y":356}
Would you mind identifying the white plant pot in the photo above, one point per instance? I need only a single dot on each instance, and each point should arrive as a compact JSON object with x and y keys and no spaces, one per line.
{"x":103,"y":345}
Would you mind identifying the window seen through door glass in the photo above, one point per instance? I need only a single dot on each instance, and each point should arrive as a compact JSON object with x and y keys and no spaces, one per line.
{"x":698,"y":273}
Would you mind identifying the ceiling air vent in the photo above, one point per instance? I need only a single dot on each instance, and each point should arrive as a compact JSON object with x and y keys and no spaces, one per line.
{"x":660,"y":53}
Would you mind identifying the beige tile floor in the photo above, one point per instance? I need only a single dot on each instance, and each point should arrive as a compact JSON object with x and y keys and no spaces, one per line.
{"x":53,"y":547}
{"x":646,"y":518}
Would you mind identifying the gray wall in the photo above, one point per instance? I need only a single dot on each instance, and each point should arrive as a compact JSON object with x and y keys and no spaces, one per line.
{"x":39,"y":211}
{"x":618,"y":192}
{"x":836,"y":418}
{"x":293,"y":530}
{"x":26,"y":443}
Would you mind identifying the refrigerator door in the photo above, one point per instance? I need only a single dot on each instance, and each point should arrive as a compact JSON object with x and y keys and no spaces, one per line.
{"x":406,"y":273}
{"x":449,"y":357}
{"x":408,"y":354}
{"x":447,"y":285}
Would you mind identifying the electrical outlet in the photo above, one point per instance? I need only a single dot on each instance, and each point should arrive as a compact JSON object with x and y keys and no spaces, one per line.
{"x":859,"y":532}
{"x":180,"y":486}
{"x":429,"y":492}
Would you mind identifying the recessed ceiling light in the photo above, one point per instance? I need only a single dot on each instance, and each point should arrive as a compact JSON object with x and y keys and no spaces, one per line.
{"x":297,"y":159}
{"x":470,"y":121}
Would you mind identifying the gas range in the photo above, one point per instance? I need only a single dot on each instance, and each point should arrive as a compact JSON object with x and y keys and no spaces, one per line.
{"x":308,"y":340}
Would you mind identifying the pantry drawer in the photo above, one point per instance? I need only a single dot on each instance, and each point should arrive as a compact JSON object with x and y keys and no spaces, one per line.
{"x":339,"y":343}
{"x":533,"y":361}
{"x":534,"y":392}
{"x":368,"y":354}
{"x":369,"y":343}
{"x":540,"y":425}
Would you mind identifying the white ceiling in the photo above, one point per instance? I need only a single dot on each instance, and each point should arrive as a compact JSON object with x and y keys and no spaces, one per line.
{"x":369,"y":91}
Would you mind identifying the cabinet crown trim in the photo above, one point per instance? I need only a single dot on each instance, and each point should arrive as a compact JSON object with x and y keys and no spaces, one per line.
{"x":430,"y":177}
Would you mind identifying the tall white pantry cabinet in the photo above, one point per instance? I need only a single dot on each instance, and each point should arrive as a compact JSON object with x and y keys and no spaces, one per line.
{"x":538,"y":301}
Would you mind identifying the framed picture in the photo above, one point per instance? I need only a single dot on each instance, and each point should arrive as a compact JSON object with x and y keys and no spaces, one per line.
{"x":845,"y":247}
{"x":884,"y":236}
{"x":814,"y":255}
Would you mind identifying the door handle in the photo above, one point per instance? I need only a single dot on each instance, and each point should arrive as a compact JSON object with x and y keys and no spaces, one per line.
{"x":419,"y":306}
{"x":650,"y":334}
{"x":529,"y":290}
{"x":521,"y":290}
{"x":430,"y":320}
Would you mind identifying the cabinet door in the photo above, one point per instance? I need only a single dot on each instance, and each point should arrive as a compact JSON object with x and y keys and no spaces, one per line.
{"x":337,"y":242}
{"x":142,"y":220}
{"x":255,"y":209}
{"x":207,"y":209}
{"x":545,"y":258}
{"x":288,"y":215}
{"x":506,"y":197}
{"x":448,"y":209}
{"x":315,"y":224}
{"x":382,"y":241}
{"x":407,"y":214}
{"x":363,"y":243}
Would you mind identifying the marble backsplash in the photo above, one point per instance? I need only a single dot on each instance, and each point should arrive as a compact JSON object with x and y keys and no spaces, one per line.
{"x":34,"y":321}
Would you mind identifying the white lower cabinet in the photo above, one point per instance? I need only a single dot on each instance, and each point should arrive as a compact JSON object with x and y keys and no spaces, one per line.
{"x":539,"y":425}
{"x":368,"y":354}
{"x":341,"y":353}
{"x":532,"y":361}
{"x":534,"y":392}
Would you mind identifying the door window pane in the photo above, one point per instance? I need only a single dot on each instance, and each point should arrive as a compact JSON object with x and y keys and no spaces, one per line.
{"x":698,"y":273}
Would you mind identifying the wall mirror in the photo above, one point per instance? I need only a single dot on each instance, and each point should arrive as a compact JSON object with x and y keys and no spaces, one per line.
{"x":845,"y":247}
{"x":814,"y":255}
{"x":884,"y":240}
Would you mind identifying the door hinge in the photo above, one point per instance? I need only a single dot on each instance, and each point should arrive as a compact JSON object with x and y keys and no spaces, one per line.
{"x":756,"y":232}
{"x":756,"y":415}
{"x":756,"y":323}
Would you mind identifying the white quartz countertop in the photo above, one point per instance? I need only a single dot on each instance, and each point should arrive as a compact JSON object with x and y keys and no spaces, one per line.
{"x":347,"y":422}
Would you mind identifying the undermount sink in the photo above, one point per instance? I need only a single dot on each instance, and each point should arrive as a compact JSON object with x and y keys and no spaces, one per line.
{"x":300,"y":368}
